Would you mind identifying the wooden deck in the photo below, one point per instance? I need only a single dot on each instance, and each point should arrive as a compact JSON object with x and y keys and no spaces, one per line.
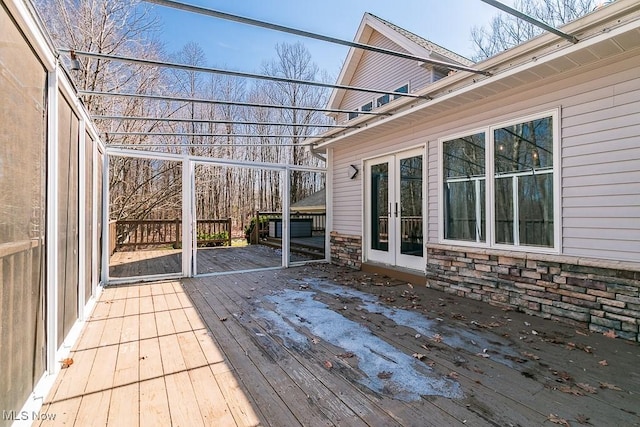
{"x":210,"y":260}
{"x":321,"y":345}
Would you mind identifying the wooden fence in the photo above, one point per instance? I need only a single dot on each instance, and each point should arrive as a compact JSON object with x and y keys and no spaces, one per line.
{"x":137,"y":234}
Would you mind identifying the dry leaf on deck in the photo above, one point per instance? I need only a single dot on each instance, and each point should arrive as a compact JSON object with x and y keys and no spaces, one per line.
{"x":571,"y":390}
{"x":610,"y":334}
{"x":583,"y":419}
{"x":384,"y":375}
{"x":223,"y":319}
{"x":346,"y":355}
{"x":436,"y":338}
{"x":603,"y":363}
{"x":453,"y":375}
{"x":418,"y":356}
{"x":557,"y":420}
{"x":66,"y":362}
{"x":530,"y":355}
{"x":610,"y":386}
{"x":315,"y":340}
{"x":588,"y":388}
{"x":328,"y":364}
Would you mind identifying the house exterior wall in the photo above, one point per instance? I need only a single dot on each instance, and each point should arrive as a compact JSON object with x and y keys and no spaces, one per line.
{"x":383,"y":72}
{"x":599,"y":110}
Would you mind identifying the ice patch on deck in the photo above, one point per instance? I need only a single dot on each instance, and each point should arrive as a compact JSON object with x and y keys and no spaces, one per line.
{"x":409,"y":378}
{"x":472,"y":341}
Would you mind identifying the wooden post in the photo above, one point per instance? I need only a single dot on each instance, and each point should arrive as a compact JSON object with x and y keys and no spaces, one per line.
{"x":255,"y":239}
{"x":229,"y":229}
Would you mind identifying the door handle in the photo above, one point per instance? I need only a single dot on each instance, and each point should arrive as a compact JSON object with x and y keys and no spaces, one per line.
{"x":389,"y":212}
{"x":396,"y":209}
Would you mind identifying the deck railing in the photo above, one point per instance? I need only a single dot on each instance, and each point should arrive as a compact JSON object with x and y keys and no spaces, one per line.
{"x":137,"y":234}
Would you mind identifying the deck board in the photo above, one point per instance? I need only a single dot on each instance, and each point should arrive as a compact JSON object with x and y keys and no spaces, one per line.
{"x":205,"y":352}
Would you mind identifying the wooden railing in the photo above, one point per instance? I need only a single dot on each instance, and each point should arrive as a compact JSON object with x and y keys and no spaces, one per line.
{"x":136,"y":234}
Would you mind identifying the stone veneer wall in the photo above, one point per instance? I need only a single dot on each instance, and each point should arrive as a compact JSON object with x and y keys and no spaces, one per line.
{"x":346,"y":250}
{"x":603,"y":295}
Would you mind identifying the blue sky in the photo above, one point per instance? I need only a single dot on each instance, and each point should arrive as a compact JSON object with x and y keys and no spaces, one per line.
{"x":245,"y":48}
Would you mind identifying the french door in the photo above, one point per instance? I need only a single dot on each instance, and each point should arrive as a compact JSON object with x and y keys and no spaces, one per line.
{"x":394,"y":209}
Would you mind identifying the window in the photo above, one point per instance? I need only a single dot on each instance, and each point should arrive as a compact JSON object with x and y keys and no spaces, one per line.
{"x":384,"y":99}
{"x":353,"y":114}
{"x":523,"y":201}
{"x":464,"y":188}
{"x":401,"y":89}
{"x":367,"y":107}
{"x":523,"y":179}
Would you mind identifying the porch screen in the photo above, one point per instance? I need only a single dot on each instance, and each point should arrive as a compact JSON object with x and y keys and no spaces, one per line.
{"x":22,"y":216}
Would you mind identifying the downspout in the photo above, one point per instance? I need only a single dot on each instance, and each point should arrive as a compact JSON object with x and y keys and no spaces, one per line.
{"x":315,"y":153}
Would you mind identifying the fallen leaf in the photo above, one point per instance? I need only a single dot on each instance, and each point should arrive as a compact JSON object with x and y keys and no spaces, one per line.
{"x":315,"y":340}
{"x":436,"y":338}
{"x":431,"y":363}
{"x":384,"y":375}
{"x":610,"y":334}
{"x":328,"y":364}
{"x":603,"y":363}
{"x":571,"y":390}
{"x":223,"y":319}
{"x":583,"y":334}
{"x":530,"y":355}
{"x":453,"y":375}
{"x":410,"y":285}
{"x":586,"y":387}
{"x":610,"y":386}
{"x":557,"y":420}
{"x":418,"y":356}
{"x":485,"y":355}
{"x":417,"y":336}
{"x":346,"y":355}
{"x":66,"y":362}
{"x":583,"y":419}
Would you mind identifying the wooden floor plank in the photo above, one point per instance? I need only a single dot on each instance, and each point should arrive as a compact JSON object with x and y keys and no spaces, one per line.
{"x":130,"y":328}
{"x":147,"y":326}
{"x":64,"y":412}
{"x":102,"y":373}
{"x":75,"y":378}
{"x":124,"y":408}
{"x":150,"y":365}
{"x":211,"y":401}
{"x":92,"y":334}
{"x":127,"y":364}
{"x":132,"y":306}
{"x":154,"y":407}
{"x":94,"y":409}
{"x":179,"y":320}
{"x":146,"y":304}
{"x":172,"y":359}
{"x":181,"y":397}
{"x":164,"y":323}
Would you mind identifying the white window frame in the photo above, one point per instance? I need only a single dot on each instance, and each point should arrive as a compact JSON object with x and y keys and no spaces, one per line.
{"x":490,"y":186}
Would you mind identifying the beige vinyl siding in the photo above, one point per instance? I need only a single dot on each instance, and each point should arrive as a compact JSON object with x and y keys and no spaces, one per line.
{"x":383,"y":72}
{"x":600,"y":146}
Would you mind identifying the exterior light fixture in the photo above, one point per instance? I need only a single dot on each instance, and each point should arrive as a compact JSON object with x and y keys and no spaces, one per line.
{"x":353,"y":171}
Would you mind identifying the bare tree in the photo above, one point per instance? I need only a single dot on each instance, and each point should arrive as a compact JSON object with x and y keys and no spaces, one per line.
{"x":506,"y":31}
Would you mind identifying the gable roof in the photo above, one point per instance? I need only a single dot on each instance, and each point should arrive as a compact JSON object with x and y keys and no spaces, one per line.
{"x":408,"y":41}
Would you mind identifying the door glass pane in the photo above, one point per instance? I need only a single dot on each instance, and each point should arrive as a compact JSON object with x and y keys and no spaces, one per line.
{"x":380,"y":207}
{"x":411,"y":241}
